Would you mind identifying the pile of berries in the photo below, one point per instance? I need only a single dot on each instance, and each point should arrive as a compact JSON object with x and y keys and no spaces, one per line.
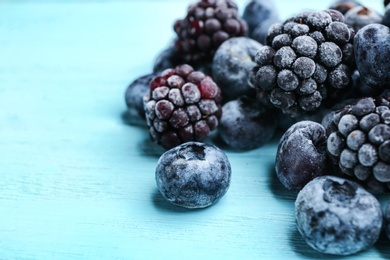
{"x":325,"y":71}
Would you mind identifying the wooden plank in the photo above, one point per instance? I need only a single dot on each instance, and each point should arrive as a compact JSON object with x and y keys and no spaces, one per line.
{"x":77,"y":182}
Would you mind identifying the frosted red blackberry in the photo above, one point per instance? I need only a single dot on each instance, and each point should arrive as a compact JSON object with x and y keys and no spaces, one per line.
{"x":206,"y":26}
{"x":306,"y":64}
{"x":183,"y":105}
{"x":359,"y":142}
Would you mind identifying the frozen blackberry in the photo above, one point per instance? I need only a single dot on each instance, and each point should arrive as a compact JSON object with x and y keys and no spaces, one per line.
{"x":359,"y":142}
{"x":206,"y":26}
{"x":183,"y":105}
{"x":306,"y":63}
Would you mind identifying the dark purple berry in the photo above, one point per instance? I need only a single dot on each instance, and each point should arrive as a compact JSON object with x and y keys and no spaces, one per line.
{"x":301,"y":154}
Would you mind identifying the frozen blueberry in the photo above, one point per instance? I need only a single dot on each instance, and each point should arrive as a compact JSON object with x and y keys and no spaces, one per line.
{"x":386,"y":16}
{"x":386,"y":220}
{"x":167,"y":58}
{"x":360,"y":16}
{"x":337,"y":216}
{"x":361,"y":89}
{"x":246,"y":125}
{"x":193,"y":175}
{"x":258,"y":11}
{"x":371,"y":46}
{"x":232,"y":64}
{"x":301,"y":154}
{"x":344,"y":6}
{"x":134,"y":98}
{"x":170,"y":58}
{"x":261,"y":31}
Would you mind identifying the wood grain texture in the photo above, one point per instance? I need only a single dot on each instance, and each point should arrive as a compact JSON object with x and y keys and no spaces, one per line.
{"x":77,"y":182}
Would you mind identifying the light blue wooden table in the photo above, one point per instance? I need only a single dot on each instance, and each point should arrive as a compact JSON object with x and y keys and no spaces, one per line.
{"x":76,"y":182}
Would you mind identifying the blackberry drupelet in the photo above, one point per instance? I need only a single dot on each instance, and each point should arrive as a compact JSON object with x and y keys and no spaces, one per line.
{"x":306,"y":63}
{"x":207,"y":25}
{"x":359,"y":142}
{"x":183,"y":105}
